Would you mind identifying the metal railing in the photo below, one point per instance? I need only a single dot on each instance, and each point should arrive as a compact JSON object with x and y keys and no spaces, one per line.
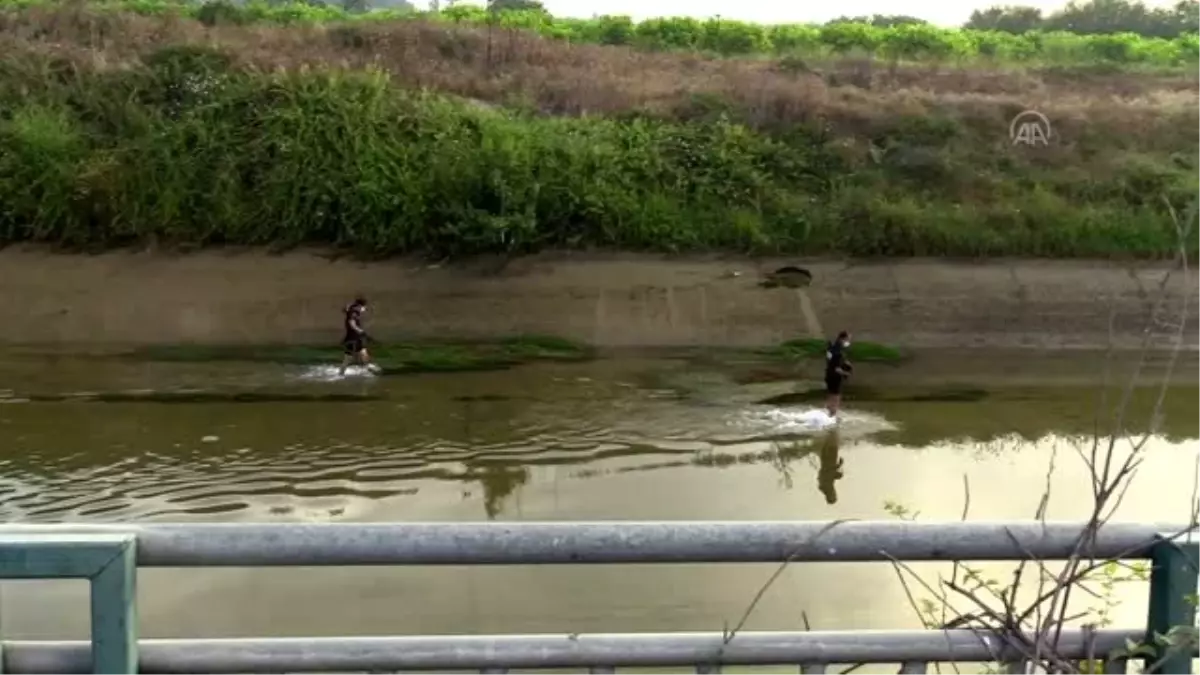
{"x":106,"y":554}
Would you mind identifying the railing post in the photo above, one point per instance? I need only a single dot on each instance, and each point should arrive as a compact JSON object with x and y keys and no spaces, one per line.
{"x":109,"y":562}
{"x":1172,"y":602}
{"x":114,"y":613}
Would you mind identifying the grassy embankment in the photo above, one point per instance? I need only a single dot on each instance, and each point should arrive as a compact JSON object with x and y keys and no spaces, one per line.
{"x":125,"y":124}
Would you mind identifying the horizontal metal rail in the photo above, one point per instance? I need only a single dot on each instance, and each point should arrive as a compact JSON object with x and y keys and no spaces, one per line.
{"x":345,"y":544}
{"x":599,"y":651}
{"x":302,"y":545}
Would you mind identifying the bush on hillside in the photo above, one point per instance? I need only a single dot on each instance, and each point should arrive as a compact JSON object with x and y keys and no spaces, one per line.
{"x":187,"y":147}
{"x":903,"y":40}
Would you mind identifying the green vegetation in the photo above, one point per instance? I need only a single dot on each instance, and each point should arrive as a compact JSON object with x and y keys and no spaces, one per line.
{"x":1041,"y":41}
{"x":866,"y":352}
{"x":869,"y":394}
{"x":393,"y":359}
{"x":360,"y":135}
{"x":1094,"y":17}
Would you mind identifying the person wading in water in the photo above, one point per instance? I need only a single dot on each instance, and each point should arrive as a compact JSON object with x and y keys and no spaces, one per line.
{"x":837,"y":369}
{"x":354,"y":336}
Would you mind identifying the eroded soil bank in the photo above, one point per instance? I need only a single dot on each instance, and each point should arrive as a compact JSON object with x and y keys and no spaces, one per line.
{"x":619,"y":300}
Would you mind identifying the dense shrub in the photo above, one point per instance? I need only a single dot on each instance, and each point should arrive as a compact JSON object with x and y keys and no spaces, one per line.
{"x":722,"y":36}
{"x":115,"y":127}
{"x":184,"y":145}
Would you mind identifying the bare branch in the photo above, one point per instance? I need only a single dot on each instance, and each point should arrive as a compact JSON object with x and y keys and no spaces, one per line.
{"x":762,"y":591}
{"x":1031,"y":632}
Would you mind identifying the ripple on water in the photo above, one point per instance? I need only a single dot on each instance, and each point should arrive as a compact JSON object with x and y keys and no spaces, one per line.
{"x":276,"y":486}
{"x":322,"y":479}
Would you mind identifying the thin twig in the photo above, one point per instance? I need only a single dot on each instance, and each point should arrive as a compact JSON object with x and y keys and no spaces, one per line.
{"x":762,"y":591}
{"x":1033,"y":633}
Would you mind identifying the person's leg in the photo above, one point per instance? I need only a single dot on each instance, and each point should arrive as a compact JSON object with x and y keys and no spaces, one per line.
{"x":833,"y":387}
{"x":348,"y":356}
{"x":364,"y":357}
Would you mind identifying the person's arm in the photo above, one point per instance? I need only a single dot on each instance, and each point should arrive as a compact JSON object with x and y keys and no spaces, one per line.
{"x":354,"y":323}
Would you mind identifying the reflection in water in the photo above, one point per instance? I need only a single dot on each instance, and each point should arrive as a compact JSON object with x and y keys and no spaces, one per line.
{"x":553,"y":442}
{"x":280,"y":457}
{"x":831,"y":467}
{"x":315,"y":461}
{"x":782,"y":456}
{"x":500,"y":482}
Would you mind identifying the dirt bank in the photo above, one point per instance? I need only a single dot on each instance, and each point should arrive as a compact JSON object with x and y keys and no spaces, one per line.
{"x":612,"y":301}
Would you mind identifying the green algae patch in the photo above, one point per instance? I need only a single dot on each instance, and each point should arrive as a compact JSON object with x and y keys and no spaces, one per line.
{"x":392,"y":358}
{"x":861,"y":351}
{"x":812,"y":392}
{"x":867,"y":393}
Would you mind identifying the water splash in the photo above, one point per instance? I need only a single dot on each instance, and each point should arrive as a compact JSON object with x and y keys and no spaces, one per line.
{"x":813,"y":420}
{"x":306,"y":464}
{"x":331,"y":373}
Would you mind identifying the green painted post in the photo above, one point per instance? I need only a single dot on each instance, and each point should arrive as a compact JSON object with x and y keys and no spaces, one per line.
{"x":1172,"y":602}
{"x":109,"y":562}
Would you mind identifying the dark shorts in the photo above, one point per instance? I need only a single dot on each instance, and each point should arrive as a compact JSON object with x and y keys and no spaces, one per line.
{"x":352,"y":346}
{"x":833,"y":384}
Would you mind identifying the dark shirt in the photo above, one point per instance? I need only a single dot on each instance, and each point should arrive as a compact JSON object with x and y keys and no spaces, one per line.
{"x":352,"y":321}
{"x":835,"y":359}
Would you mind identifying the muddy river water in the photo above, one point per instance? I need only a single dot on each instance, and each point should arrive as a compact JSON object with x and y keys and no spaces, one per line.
{"x":627,"y":438}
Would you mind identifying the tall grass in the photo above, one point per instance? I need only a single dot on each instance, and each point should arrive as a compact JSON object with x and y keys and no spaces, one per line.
{"x":187,"y":150}
{"x":184,"y":147}
{"x":118,"y":128}
{"x":912,"y":42}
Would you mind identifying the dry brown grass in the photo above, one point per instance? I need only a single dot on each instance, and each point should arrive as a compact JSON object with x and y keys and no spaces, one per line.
{"x":856,"y":97}
{"x":923,"y":160}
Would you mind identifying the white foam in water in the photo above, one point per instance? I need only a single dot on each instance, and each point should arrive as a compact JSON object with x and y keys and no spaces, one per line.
{"x":811,"y":420}
{"x":814,"y":419}
{"x":331,"y":373}
{"x":818,"y":419}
